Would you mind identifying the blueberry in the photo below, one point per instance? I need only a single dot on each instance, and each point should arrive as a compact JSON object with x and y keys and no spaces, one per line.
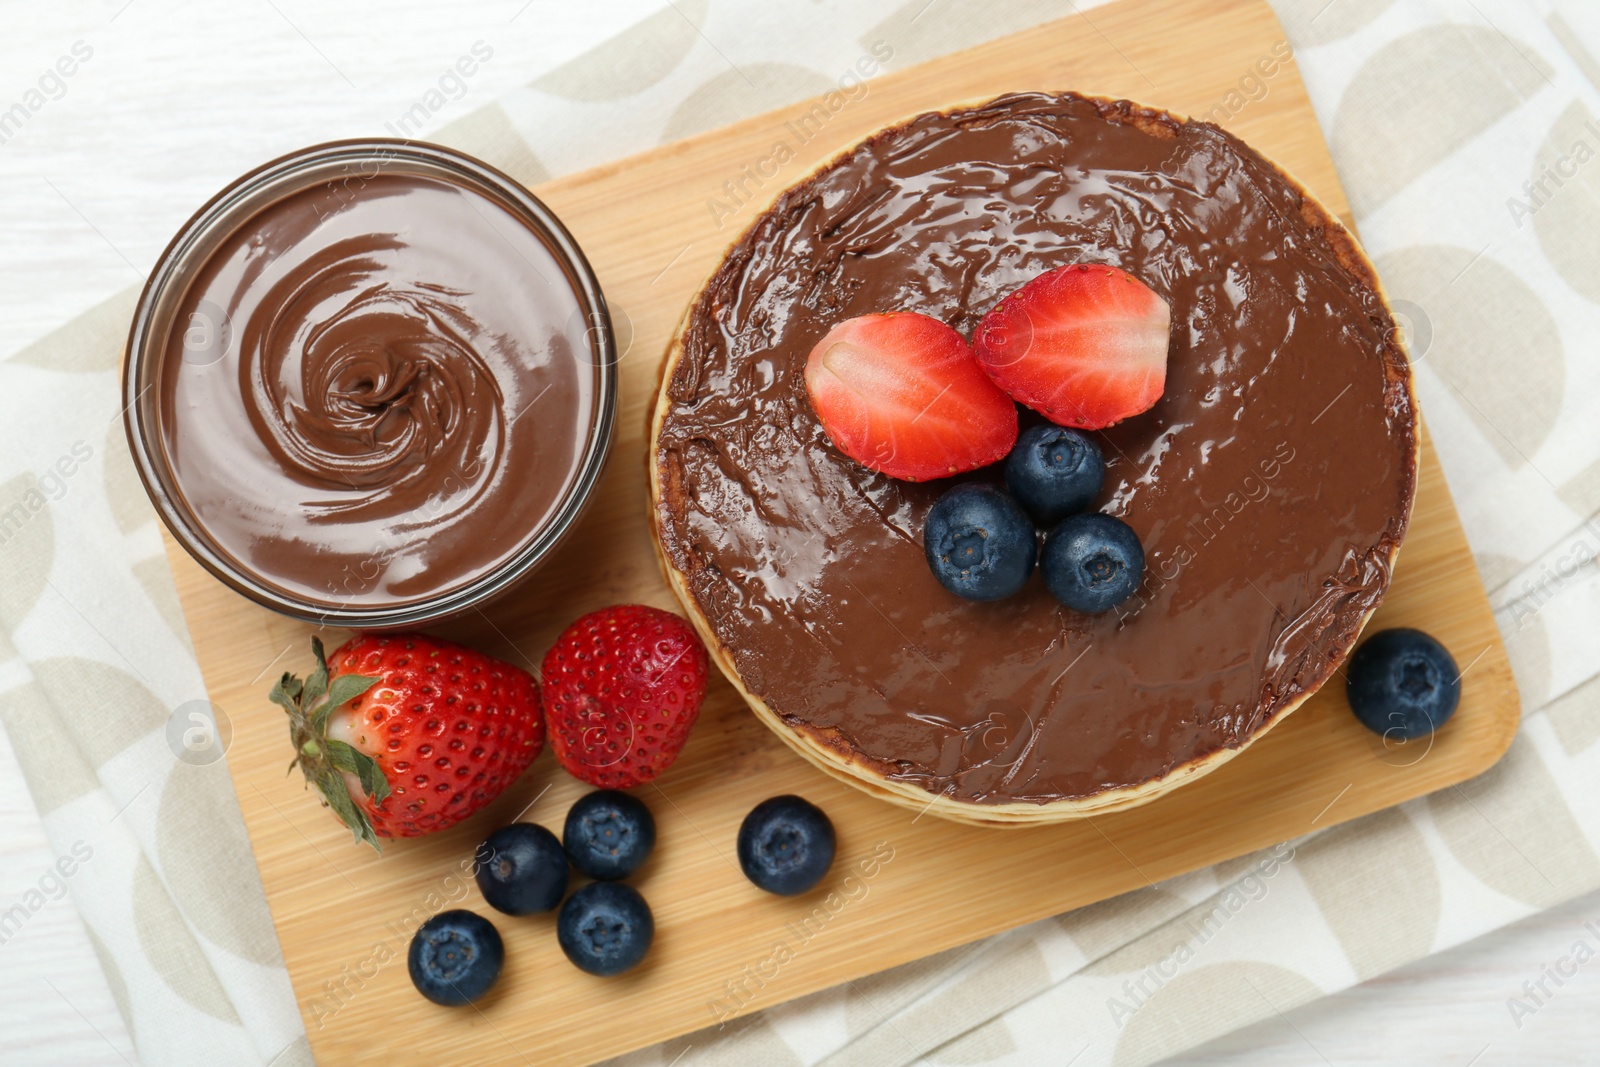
{"x":1054,"y":472}
{"x":522,"y":869}
{"x":786,"y":845}
{"x":608,"y":834}
{"x":455,"y":957}
{"x":1092,"y":563}
{"x":1402,"y":683}
{"x":605,"y":928}
{"x":979,"y":542}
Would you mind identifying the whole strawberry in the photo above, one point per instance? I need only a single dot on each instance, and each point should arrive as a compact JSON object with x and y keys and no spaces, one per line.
{"x":404,"y":734}
{"x":622,"y":687}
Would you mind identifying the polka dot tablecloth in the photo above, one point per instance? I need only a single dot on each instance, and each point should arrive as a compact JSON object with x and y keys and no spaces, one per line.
{"x":1467,"y":137}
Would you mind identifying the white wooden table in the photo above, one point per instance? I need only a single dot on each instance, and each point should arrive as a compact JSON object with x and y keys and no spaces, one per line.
{"x":181,"y":96}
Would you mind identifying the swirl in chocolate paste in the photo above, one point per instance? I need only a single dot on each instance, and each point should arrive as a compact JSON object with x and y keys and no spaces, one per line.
{"x":356,"y":384}
{"x":404,"y":399}
{"x":1270,"y":485}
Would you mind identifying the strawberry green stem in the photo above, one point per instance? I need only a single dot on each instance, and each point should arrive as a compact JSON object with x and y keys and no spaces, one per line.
{"x":326,"y":761}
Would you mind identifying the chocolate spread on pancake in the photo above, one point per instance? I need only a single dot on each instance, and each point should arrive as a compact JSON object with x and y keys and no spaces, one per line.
{"x":1269,"y":485}
{"x":394,"y":356}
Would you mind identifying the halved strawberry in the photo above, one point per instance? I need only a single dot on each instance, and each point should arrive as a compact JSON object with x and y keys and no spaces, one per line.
{"x":901,"y":393}
{"x":1084,"y":345}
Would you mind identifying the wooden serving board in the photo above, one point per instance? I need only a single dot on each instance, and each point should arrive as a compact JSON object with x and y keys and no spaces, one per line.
{"x":921,"y":885}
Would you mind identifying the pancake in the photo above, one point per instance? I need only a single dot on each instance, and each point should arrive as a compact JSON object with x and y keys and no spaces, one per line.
{"x":1271,"y":485}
